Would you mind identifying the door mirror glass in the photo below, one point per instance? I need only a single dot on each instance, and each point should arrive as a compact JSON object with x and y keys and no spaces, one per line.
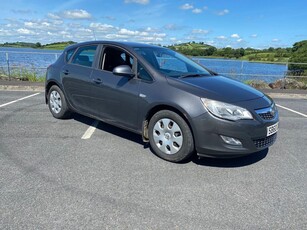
{"x":123,"y":70}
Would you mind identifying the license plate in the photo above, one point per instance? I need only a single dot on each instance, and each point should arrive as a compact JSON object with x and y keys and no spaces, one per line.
{"x":272,"y":129}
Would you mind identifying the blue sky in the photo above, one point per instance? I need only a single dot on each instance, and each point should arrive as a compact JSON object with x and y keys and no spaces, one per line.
{"x":235,"y":23}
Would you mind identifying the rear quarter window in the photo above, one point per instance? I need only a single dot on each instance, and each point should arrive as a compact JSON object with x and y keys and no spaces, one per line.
{"x":85,"y":56}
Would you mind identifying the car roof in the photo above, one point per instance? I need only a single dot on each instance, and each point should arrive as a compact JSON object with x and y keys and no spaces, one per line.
{"x":128,"y":45}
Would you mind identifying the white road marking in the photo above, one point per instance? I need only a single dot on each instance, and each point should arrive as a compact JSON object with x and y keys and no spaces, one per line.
{"x":291,"y":110}
{"x":89,"y":132}
{"x":20,"y":99}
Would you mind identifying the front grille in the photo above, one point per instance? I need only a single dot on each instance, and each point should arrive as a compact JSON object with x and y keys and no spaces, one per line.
{"x":267,"y":113}
{"x":265,"y":142}
{"x":266,"y":116}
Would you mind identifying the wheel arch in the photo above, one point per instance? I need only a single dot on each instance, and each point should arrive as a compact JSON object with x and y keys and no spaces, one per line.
{"x":47,"y":88}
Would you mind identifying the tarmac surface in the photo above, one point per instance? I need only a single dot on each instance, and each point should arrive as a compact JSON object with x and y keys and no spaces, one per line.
{"x":52,"y":178}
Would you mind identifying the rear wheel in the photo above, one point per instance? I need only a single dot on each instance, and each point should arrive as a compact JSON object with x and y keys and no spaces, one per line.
{"x":57,"y":103}
{"x":170,"y":136}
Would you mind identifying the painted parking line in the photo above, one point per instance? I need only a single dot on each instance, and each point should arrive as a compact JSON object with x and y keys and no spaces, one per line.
{"x":20,"y":99}
{"x":291,"y":110}
{"x":89,"y":132}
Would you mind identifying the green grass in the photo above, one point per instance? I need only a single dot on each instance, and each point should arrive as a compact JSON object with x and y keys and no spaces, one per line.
{"x":266,"y":57}
{"x":56,"y":46}
{"x":25,"y":75}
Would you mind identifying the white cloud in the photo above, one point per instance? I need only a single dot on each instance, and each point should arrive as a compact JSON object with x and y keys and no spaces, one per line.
{"x":46,"y":24}
{"x":200,"y":31}
{"x":124,"y":31}
{"x":222,"y":37}
{"x":197,"y":11}
{"x":186,"y":6}
{"x":24,"y":31}
{"x":101,"y":27}
{"x":143,"y":2}
{"x":254,"y":35}
{"x":223,"y":12}
{"x":161,"y":35}
{"x":205,"y":7}
{"x":240,"y":40}
{"x":235,"y":36}
{"x":150,"y":39}
{"x":76,"y":14}
{"x":53,"y":16}
{"x":5,"y":32}
{"x":275,"y":40}
{"x":172,"y":27}
{"x":30,"y":24}
{"x":127,"y":32}
{"x":210,"y":42}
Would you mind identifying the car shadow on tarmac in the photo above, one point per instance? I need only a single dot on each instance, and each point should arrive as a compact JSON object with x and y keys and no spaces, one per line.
{"x":111,"y":129}
{"x":231,"y":162}
{"x":202,"y":161}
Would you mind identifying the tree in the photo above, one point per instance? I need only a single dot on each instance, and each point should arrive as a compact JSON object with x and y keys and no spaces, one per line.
{"x":299,"y":55}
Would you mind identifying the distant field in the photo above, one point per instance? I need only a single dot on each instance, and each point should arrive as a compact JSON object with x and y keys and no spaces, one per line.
{"x":56,"y":46}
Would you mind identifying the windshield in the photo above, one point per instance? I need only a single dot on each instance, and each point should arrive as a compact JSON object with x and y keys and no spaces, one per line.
{"x":171,"y":63}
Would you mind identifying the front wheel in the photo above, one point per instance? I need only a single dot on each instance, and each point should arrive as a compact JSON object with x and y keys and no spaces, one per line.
{"x":57,"y":103}
{"x":170,"y":136}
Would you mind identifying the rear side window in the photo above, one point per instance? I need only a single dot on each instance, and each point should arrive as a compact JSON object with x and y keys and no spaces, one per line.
{"x":69,"y":53}
{"x":85,"y":56}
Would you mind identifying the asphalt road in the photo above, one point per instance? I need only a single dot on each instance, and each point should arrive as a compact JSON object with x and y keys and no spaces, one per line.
{"x":53,"y":179}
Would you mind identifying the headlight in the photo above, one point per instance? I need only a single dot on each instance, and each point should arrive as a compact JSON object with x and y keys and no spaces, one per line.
{"x":225,"y":110}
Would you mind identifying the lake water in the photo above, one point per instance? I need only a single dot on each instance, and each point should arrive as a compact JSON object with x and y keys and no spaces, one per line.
{"x":38,"y":60}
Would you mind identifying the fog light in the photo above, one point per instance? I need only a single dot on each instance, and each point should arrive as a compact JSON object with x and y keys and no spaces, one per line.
{"x":231,"y":140}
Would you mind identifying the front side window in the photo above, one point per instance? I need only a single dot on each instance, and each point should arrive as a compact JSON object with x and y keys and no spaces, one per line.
{"x":85,"y":56}
{"x":171,"y":63}
{"x":113,"y":57}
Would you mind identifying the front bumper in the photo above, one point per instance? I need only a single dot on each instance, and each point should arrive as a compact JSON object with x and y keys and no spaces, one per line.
{"x":251,"y":133}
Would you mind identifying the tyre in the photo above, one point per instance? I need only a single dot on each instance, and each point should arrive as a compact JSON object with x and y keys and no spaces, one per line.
{"x":170,"y":136}
{"x":57,"y":103}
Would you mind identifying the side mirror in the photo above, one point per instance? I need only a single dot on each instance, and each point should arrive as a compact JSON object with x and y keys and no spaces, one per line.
{"x":123,"y":70}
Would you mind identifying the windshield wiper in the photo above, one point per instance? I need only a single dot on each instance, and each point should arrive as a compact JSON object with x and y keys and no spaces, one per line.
{"x":194,"y":75}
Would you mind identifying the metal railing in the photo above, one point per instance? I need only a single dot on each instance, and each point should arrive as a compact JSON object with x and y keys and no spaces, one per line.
{"x":16,"y":64}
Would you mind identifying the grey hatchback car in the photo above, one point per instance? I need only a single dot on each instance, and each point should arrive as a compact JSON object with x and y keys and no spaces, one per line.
{"x":177,"y":105}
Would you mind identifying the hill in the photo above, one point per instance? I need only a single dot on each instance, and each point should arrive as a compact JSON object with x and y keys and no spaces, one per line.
{"x":37,"y":45}
{"x":194,"y":49}
{"x":57,"y":45}
{"x":250,"y":54}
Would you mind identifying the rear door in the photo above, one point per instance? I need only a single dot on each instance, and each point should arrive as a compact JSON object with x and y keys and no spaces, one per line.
{"x":76,"y":77}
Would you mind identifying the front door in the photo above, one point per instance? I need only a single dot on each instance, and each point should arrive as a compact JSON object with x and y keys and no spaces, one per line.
{"x":116,"y":97}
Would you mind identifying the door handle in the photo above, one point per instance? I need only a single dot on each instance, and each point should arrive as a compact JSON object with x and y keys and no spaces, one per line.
{"x":66,"y":72}
{"x":97,"y":80}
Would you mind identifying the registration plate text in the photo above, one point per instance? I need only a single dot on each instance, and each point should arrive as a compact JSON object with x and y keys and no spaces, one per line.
{"x":272,"y":129}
